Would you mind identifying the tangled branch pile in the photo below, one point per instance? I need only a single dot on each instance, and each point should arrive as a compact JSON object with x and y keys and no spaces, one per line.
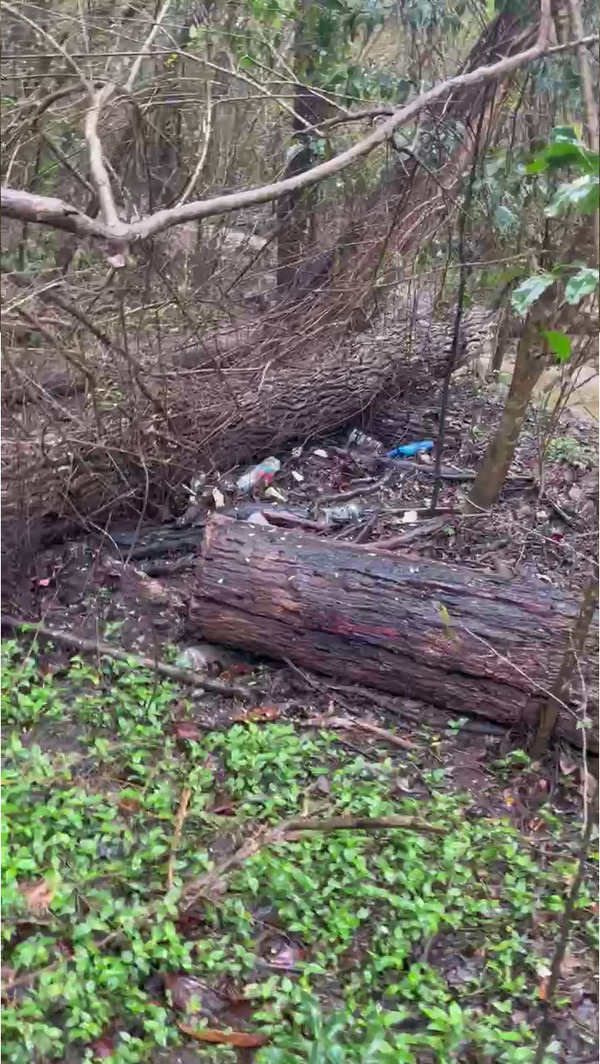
{"x":197,"y":356}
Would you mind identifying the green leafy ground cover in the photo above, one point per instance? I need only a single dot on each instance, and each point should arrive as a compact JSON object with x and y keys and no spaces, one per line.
{"x":330,"y":947}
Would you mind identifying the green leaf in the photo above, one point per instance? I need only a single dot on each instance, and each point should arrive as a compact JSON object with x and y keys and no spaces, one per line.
{"x":583,"y":283}
{"x":565,"y":149}
{"x":583,"y":193}
{"x":557,"y":155}
{"x":529,"y":291}
{"x":564,"y":134}
{"x":559,"y":343}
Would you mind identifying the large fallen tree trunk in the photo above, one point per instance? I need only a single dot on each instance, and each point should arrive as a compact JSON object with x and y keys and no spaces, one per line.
{"x":454,"y":637}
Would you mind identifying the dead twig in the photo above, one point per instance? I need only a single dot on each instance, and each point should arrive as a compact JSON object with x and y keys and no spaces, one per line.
{"x":96,"y":647}
{"x":186,"y":794}
{"x":426,"y":528}
{"x":206,"y":884}
{"x":364,"y":533}
{"x":368,"y":489}
{"x":207,"y":127}
{"x":135,"y":69}
{"x":351,"y":724}
{"x":445,"y":472}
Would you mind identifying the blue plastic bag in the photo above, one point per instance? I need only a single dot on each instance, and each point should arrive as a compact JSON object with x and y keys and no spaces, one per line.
{"x":408,"y":449}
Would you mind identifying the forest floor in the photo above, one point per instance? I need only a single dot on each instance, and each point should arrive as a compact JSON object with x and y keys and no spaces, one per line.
{"x":425,"y":943}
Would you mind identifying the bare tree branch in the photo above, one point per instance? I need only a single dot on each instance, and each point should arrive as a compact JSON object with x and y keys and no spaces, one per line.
{"x":51,"y":40}
{"x":135,"y":69}
{"x":27,"y":206}
{"x":98,"y":171}
{"x":207,"y":128}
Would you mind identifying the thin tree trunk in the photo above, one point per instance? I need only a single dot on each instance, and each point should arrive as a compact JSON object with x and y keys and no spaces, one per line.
{"x":501,"y":344}
{"x":294,"y":209}
{"x":546,"y":1029}
{"x":575,"y":648}
{"x":529,"y":367}
{"x":587,"y":95}
{"x":587,"y":91}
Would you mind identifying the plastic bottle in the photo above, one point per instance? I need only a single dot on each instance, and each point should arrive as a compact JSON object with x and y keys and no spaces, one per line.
{"x":259,"y":476}
{"x":359,"y":439}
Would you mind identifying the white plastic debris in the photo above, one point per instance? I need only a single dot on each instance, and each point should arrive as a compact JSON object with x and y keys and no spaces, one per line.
{"x":340,"y":515}
{"x":202,"y":657}
{"x":409,"y":517}
{"x":259,"y":476}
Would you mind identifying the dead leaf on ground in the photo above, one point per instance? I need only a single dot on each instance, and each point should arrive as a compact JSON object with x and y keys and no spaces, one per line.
{"x":223,"y":809}
{"x":240,"y":1039}
{"x":189,"y":994}
{"x":104,"y":1047}
{"x":257,"y":714}
{"x":186,"y":729}
{"x":239,"y":668}
{"x":38,"y":896}
{"x":286,"y":958}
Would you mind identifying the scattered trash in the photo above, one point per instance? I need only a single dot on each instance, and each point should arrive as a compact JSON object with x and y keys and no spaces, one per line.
{"x":341,"y":515}
{"x":219,"y":498}
{"x":195,"y":487}
{"x":406,"y":450}
{"x":409,"y":517}
{"x":259,"y":476}
{"x":364,"y":442}
{"x":272,"y":493}
{"x":320,"y":453}
{"x":297,"y":476}
{"x":204,"y":657}
{"x":297,"y":452}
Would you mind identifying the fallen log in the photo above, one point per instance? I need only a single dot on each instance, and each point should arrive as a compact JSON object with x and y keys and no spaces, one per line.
{"x":452,"y":636}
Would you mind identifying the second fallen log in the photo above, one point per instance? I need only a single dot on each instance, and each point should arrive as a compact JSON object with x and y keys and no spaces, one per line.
{"x":451,"y":636}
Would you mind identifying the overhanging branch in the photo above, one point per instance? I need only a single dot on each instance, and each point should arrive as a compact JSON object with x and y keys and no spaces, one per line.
{"x":27,"y":206}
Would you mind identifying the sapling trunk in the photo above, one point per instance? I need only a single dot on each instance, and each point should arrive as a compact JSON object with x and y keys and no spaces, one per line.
{"x":529,"y":366}
{"x":576,"y":645}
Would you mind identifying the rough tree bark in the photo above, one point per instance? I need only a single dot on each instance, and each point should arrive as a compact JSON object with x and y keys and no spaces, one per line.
{"x":529,"y":366}
{"x":454,"y":637}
